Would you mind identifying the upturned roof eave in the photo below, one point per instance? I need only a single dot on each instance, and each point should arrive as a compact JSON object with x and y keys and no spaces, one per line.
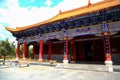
{"x":70,"y":13}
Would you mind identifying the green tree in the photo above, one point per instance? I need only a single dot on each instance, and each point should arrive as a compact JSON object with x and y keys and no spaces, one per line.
{"x":7,"y":48}
{"x":30,"y":52}
{"x":21,"y":51}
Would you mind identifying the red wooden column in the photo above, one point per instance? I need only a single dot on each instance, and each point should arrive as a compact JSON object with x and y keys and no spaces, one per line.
{"x":49,"y":49}
{"x":17,"y":51}
{"x":74,"y":51}
{"x":41,"y":50}
{"x":25,"y":48}
{"x":106,"y":41}
{"x":65,"y":50}
{"x":107,"y":48}
{"x":34,"y":48}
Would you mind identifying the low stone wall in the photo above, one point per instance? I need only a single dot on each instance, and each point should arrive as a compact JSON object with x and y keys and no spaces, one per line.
{"x":36,"y":56}
{"x":58,"y":58}
{"x":116,"y":59}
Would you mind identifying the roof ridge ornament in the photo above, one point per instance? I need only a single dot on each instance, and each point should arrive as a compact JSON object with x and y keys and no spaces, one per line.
{"x":89,"y":3}
{"x":60,"y":11}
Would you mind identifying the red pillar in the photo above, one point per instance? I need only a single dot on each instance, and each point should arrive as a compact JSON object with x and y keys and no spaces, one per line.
{"x":17,"y":51}
{"x":107,"y":48}
{"x":41,"y":50}
{"x":107,"y":51}
{"x":25,"y":50}
{"x":34,"y":48}
{"x":50,"y":50}
{"x":65,"y":50}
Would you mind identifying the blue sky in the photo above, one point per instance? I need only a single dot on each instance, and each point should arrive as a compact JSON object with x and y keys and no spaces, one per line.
{"x":17,"y":13}
{"x":39,"y":3}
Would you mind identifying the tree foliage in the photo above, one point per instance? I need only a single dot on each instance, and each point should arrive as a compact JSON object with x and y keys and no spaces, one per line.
{"x":30,"y":52}
{"x":7,"y":48}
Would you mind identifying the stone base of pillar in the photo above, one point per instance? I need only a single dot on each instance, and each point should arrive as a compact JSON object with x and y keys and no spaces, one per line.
{"x":24,"y":59}
{"x":109,"y":66}
{"x":108,"y":63}
{"x":16,"y":59}
{"x":65,"y":61}
{"x":40,"y":60}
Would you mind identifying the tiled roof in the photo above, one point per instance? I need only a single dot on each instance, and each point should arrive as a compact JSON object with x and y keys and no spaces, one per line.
{"x":70,"y":13}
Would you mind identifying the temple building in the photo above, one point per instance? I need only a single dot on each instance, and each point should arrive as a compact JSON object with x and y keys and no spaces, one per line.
{"x":90,"y":33}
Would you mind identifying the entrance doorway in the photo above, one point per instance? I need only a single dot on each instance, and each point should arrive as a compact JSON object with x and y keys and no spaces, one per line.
{"x":88,"y":51}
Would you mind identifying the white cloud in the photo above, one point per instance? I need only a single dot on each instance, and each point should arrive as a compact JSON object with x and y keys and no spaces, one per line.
{"x":72,"y":4}
{"x":1,"y":28}
{"x":5,"y":34}
{"x":17,"y":16}
{"x":48,"y":2}
{"x":1,"y":36}
{"x":94,"y":1}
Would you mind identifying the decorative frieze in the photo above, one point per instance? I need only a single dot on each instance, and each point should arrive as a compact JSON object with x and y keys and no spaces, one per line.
{"x":114,"y":26}
{"x":94,"y":29}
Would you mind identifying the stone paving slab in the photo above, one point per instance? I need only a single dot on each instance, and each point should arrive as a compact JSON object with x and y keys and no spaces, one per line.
{"x":65,"y":72}
{"x":88,"y":67}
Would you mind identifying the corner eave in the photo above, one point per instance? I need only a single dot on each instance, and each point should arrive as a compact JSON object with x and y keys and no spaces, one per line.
{"x":70,"y":13}
{"x":11,"y":29}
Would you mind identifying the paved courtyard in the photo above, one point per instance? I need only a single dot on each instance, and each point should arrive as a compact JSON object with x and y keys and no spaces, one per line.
{"x":60,"y":72}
